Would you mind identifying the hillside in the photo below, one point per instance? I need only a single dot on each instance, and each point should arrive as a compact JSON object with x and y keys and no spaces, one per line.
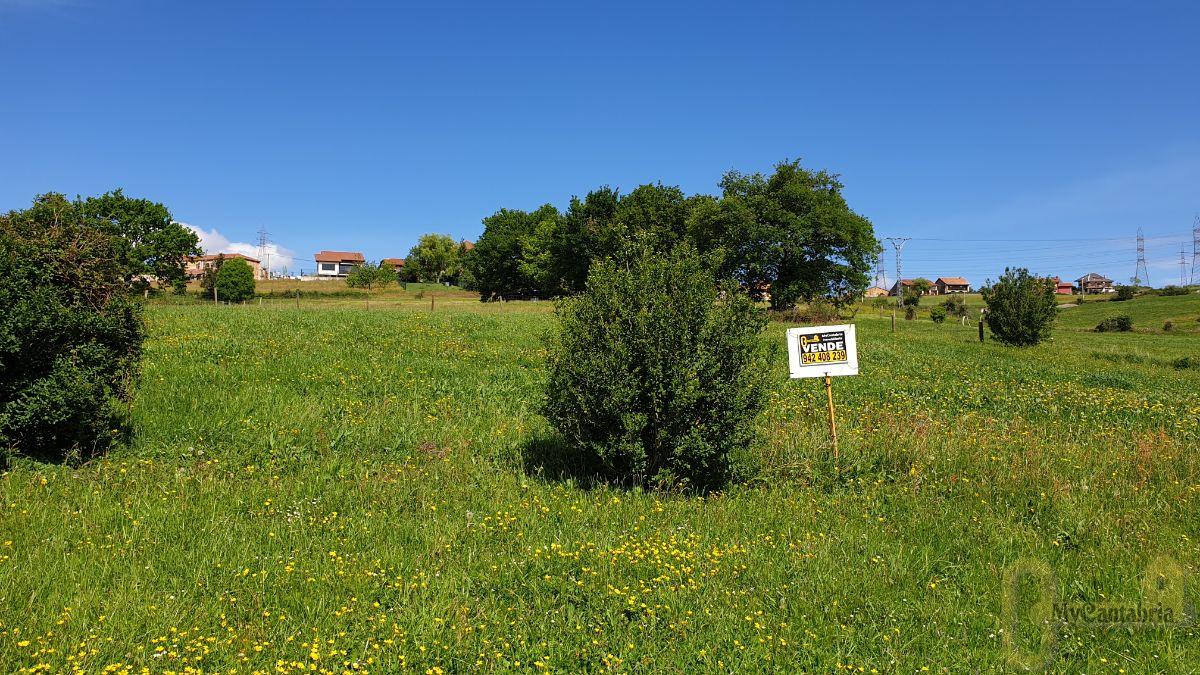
{"x":330,"y":488}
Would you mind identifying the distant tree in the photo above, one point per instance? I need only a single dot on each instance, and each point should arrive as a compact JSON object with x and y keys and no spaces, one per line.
{"x":913,"y":293}
{"x":511,"y":258}
{"x":70,"y":335}
{"x":956,"y":307}
{"x":1125,"y":293}
{"x":434,"y":258}
{"x":791,"y":231}
{"x":235,"y":281}
{"x":1021,"y":307}
{"x":588,"y":231}
{"x":153,"y":246}
{"x":208,"y":277}
{"x":371,"y":276}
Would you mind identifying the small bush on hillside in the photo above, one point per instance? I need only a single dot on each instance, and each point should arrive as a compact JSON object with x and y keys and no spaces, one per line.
{"x":1125,"y":293}
{"x":1173,"y":290}
{"x":370,"y":276}
{"x":1185,"y":363}
{"x":1168,"y":326}
{"x":1116,"y":324}
{"x":654,"y":375}
{"x":70,"y":336}
{"x":1020,"y":308}
{"x":816,"y":311}
{"x":235,"y":281}
{"x":938,"y":314}
{"x":910,"y":313}
{"x":955,"y":306}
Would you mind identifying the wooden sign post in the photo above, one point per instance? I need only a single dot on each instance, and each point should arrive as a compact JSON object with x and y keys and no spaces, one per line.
{"x":823,"y":351}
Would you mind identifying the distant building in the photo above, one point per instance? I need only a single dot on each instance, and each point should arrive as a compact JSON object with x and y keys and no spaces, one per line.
{"x":394,"y":263}
{"x":1095,"y":283}
{"x":1063,"y":287}
{"x":337,"y":263}
{"x":196,"y":265}
{"x":950,"y":285}
{"x":466,"y":245}
{"x":899,"y":286}
{"x":876,"y":292}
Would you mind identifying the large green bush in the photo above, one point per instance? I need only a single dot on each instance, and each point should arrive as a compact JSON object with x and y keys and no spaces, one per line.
{"x":70,"y":336}
{"x":1021,"y":308}
{"x":655,"y":374}
{"x":235,"y":281}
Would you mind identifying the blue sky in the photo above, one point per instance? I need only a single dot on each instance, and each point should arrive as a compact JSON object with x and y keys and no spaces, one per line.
{"x":1041,"y":134}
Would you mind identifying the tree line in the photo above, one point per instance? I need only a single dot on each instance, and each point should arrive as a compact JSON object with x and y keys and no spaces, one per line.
{"x":789,"y":235}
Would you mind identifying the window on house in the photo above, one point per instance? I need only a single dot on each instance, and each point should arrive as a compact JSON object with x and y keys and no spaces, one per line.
{"x":327,"y":267}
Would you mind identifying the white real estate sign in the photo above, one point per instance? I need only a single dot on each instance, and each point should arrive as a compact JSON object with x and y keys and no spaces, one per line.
{"x":817,"y":351}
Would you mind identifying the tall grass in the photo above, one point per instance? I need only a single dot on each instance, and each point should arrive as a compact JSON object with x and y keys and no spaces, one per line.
{"x":334,"y":488}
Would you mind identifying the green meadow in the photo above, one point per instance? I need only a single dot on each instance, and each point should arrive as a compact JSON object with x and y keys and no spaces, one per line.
{"x":364,"y":484}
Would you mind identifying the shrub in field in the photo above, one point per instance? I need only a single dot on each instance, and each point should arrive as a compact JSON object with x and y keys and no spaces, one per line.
{"x":1173,"y":290}
{"x":1168,"y":326}
{"x":1116,"y":324}
{"x":70,"y":336}
{"x":956,"y":307}
{"x":819,"y":310}
{"x":369,"y":276}
{"x":235,"y":281}
{"x":655,"y":374}
{"x":1185,"y":363}
{"x":910,"y":313}
{"x":938,"y":314}
{"x":1020,"y":308}
{"x":1125,"y":293}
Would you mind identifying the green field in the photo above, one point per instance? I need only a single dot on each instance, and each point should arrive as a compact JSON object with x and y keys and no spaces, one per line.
{"x":335,"y":487}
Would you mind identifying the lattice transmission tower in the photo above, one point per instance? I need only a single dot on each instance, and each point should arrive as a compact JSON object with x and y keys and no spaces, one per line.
{"x":1141,"y":275}
{"x":1195,"y":276}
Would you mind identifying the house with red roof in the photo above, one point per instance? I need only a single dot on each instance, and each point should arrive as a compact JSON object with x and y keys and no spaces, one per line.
{"x":337,"y":263}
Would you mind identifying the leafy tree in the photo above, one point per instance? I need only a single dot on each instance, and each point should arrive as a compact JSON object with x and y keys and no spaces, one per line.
{"x":433,"y":259}
{"x":70,"y":335}
{"x":911,"y":295}
{"x":511,"y":259}
{"x":152,"y":245}
{"x":1020,"y":307}
{"x":208,"y":278}
{"x":654,"y":375}
{"x":235,"y":281}
{"x":586,"y":232}
{"x":937,"y":314}
{"x":371,"y":276}
{"x":1125,"y":293}
{"x":956,"y":307}
{"x":792,"y":232}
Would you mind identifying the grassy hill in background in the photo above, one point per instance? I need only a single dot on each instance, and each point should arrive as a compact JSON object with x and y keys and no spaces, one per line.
{"x":334,"y":488}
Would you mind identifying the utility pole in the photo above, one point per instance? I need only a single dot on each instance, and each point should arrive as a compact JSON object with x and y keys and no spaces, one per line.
{"x":1182,"y":267}
{"x":898,"y":244}
{"x":263,"y":254}
{"x":880,"y":275}
{"x":1138,"y":278}
{"x":1195,"y":277}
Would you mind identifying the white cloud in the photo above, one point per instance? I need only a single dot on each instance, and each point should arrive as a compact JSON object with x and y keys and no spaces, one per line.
{"x":213,"y":242}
